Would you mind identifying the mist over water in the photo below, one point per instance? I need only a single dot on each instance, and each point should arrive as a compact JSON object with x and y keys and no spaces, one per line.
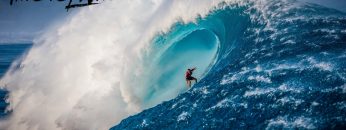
{"x":88,"y":71}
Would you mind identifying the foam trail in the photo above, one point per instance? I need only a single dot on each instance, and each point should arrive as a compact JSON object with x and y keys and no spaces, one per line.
{"x":82,"y":74}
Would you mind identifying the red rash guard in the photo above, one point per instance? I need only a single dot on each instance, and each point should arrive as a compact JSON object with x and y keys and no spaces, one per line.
{"x":188,"y":73}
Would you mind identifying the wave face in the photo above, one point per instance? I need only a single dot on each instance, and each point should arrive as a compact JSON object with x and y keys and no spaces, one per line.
{"x":278,"y":65}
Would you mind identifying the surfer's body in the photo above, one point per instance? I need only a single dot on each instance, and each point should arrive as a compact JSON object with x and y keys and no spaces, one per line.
{"x":188,"y":77}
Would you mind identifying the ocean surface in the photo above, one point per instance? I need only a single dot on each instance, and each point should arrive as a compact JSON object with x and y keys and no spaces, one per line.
{"x":9,"y":52}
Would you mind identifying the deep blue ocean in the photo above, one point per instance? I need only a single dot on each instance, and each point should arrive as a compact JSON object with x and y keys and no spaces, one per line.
{"x":279,"y":65}
{"x":9,"y":52}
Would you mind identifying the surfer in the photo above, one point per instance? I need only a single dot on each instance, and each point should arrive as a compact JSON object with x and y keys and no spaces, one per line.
{"x":188,"y":77}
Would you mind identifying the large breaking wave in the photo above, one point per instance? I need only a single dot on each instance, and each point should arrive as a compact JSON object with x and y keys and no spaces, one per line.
{"x":118,"y":58}
{"x":280,"y":65}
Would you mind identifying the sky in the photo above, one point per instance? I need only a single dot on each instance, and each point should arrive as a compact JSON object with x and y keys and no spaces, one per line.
{"x":24,"y":20}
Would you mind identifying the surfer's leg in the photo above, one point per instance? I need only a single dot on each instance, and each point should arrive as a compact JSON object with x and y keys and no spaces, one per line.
{"x":194,"y":79}
{"x":188,"y":83}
